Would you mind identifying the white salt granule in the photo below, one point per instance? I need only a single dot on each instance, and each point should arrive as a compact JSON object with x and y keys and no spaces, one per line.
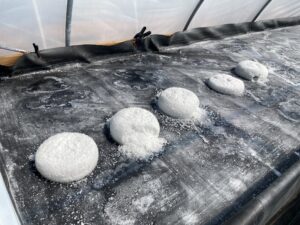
{"x":226,"y":84}
{"x":179,"y":103}
{"x":137,"y":131}
{"x":251,"y":70}
{"x":142,"y":147}
{"x":142,"y":204}
{"x":66,"y":157}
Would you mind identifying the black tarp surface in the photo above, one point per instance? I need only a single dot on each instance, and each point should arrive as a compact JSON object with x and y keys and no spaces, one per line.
{"x":206,"y":173}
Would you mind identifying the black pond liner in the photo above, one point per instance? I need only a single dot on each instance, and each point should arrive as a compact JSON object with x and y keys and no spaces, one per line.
{"x":239,"y":167}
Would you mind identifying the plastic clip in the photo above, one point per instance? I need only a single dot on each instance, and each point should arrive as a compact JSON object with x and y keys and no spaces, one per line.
{"x":36,"y":50}
{"x":142,"y":33}
{"x":139,"y":37}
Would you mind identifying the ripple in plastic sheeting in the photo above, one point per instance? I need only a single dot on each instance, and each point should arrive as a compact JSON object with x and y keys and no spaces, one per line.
{"x":61,"y":99}
{"x":290,"y":110}
{"x":47,"y":84}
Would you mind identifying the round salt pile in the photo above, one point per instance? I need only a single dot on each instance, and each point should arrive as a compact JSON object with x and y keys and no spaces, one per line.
{"x":179,"y":103}
{"x":251,"y":70}
{"x":137,"y":131}
{"x":226,"y":84}
{"x":66,"y":157}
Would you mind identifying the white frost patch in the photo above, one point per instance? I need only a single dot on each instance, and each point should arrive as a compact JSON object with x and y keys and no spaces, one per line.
{"x":267,"y":164}
{"x":116,"y":218}
{"x":190,"y":218}
{"x":142,"y":204}
{"x":134,"y":198}
{"x":31,"y":157}
{"x":137,"y":131}
{"x":237,"y":184}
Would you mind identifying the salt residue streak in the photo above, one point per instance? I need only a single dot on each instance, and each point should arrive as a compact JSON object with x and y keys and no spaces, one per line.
{"x":137,"y":131}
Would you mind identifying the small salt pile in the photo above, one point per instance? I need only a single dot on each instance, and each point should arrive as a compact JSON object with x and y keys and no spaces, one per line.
{"x":137,"y":132}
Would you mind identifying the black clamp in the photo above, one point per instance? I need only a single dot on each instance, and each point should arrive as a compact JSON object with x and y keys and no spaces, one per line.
{"x":36,"y":50}
{"x":139,"y":38}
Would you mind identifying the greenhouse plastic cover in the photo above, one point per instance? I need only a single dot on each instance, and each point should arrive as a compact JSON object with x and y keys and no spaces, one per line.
{"x":94,"y":21}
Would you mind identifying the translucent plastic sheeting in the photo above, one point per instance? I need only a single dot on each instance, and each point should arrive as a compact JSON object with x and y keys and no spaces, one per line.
{"x":7,"y":212}
{"x":4,"y":52}
{"x":215,"y":12}
{"x":108,"y":21}
{"x":25,"y":22}
{"x":118,"y":20}
{"x":281,"y":9}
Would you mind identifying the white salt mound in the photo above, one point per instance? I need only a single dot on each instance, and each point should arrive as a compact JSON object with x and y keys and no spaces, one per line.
{"x":178,"y":103}
{"x":226,"y":84}
{"x":143,"y":147}
{"x":251,"y":70}
{"x":137,"y":131}
{"x":66,"y":157}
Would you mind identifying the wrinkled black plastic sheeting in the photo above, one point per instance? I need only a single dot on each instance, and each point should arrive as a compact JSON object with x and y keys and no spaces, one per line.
{"x":85,"y":53}
{"x":265,"y":206}
{"x":289,"y":215}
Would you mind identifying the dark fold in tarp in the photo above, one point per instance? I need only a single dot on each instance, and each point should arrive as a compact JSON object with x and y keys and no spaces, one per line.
{"x":264,"y":207}
{"x":85,"y":53}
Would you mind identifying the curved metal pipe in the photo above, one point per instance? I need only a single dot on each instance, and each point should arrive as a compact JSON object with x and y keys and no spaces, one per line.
{"x":68,"y":22}
{"x":192,"y":15}
{"x":261,"y":10}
